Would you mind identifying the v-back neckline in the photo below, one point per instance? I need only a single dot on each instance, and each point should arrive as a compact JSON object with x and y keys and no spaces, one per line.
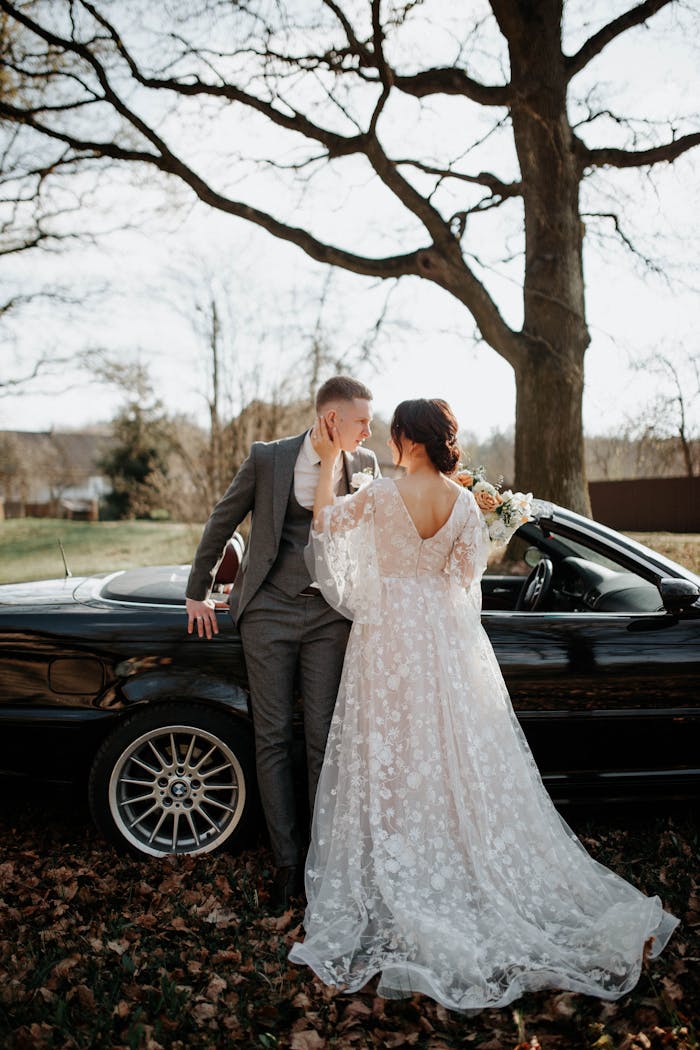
{"x":424,"y":539}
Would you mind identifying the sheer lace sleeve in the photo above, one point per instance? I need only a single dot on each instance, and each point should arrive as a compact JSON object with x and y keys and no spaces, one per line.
{"x":469,"y":554}
{"x":342,"y":557}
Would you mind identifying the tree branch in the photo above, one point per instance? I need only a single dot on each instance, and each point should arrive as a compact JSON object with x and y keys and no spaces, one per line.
{"x":626,"y":241}
{"x":12,"y":386}
{"x":447,"y":81}
{"x":337,"y":145}
{"x":595,"y":44}
{"x":484,"y":178}
{"x":391,"y":266}
{"x":386,"y":74}
{"x":356,"y":46}
{"x":441,"y":262}
{"x":608,"y":156}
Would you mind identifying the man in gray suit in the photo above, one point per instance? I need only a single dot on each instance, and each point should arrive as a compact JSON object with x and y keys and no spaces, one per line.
{"x":286,"y":626}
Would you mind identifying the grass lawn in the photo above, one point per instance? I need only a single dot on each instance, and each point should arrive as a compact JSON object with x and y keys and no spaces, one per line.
{"x":29,"y":546}
{"x":682,"y":547}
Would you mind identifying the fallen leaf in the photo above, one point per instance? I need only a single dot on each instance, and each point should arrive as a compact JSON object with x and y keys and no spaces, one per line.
{"x":84,"y":995}
{"x":564,"y":1004}
{"x":221,"y":917}
{"x":672,"y":990}
{"x":308,"y":1039}
{"x":356,"y":1008}
{"x":215,"y":987}
{"x":278,"y":922}
{"x":65,"y":966}
{"x":203,"y":1012}
{"x":119,"y":946}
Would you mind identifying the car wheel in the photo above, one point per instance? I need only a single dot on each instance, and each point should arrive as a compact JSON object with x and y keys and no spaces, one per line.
{"x":174,"y":778}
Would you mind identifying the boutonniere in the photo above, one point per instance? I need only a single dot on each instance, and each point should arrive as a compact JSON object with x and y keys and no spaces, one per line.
{"x":362,"y":477}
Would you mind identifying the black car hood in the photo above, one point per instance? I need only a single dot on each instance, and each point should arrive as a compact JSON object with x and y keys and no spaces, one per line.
{"x":40,"y":592}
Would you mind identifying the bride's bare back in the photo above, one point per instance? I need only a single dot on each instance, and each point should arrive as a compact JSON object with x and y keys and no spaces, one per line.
{"x":429,"y":499}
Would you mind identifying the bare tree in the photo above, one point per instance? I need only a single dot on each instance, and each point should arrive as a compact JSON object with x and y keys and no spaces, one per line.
{"x":668,"y":422}
{"x":496,"y":454}
{"x":94,"y":83}
{"x":22,"y":376}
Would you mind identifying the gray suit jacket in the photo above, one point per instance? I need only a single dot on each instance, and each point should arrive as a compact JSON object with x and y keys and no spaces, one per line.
{"x":262,"y":485}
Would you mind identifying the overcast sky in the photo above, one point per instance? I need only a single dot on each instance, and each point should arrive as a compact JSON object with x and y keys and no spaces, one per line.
{"x":136,"y":294}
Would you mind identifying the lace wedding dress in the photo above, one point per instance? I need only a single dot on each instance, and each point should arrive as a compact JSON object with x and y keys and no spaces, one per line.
{"x":437,"y":857}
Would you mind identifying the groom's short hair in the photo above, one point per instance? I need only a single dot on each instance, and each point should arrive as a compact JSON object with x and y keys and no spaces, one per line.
{"x":341,"y":388}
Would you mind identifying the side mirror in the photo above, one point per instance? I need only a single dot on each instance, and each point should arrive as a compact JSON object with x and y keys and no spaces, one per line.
{"x":678,"y":594}
{"x":532,"y":556}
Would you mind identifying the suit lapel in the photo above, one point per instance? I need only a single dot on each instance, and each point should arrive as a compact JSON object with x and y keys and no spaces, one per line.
{"x":286,"y":452}
{"x":347,"y":470}
{"x":353,"y":463}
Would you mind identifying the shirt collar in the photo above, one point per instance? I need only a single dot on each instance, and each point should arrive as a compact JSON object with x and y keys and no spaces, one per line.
{"x":309,"y":450}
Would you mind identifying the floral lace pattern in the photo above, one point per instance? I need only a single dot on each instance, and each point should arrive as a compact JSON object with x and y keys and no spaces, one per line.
{"x":437,"y":857}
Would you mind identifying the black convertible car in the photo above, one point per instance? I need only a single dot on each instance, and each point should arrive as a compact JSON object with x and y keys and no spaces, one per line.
{"x":597,"y":636}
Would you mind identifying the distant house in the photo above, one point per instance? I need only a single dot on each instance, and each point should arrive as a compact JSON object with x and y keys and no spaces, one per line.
{"x":51,"y":473}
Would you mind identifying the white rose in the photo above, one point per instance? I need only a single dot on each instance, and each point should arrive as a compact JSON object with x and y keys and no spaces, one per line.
{"x":498,"y":531}
{"x":361,"y":477}
{"x":485,"y":486}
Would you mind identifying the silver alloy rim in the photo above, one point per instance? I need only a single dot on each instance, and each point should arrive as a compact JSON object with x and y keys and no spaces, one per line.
{"x":177,"y":789}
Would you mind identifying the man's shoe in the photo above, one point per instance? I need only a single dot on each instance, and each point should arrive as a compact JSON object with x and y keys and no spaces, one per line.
{"x":287,"y":883}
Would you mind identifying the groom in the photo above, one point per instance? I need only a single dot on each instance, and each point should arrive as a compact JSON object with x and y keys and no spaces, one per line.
{"x":288,"y":630}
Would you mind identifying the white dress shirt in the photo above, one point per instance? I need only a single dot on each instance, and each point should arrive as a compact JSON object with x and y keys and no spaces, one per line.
{"x":307,"y":470}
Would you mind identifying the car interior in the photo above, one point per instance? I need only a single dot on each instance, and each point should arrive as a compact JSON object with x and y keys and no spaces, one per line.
{"x":548,"y":572}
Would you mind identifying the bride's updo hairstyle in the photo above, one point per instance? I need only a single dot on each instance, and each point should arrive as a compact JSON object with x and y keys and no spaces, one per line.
{"x":428,"y":422}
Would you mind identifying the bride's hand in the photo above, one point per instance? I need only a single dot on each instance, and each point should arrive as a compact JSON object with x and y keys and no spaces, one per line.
{"x":325,"y":440}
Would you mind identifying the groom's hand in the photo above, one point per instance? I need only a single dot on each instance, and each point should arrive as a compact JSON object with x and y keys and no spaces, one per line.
{"x":201,"y":617}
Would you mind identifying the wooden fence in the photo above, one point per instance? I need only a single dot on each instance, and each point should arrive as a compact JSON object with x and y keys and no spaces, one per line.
{"x":76,"y":510}
{"x":647,"y":504}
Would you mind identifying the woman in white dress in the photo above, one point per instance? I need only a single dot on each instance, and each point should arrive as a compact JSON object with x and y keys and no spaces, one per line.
{"x":437,"y":858}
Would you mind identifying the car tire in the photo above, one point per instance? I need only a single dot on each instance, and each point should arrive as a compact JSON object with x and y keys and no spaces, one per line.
{"x":151,"y":790}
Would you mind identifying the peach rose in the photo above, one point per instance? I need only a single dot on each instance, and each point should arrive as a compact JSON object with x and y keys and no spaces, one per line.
{"x":464,"y":479}
{"x":488,"y":501}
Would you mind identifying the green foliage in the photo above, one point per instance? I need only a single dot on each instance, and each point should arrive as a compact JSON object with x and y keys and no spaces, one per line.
{"x":142,"y":441}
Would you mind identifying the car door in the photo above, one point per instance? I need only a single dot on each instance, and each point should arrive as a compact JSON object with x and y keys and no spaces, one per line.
{"x":608,"y":700}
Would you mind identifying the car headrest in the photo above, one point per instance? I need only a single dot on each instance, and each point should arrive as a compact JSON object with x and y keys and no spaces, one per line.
{"x":227,"y":568}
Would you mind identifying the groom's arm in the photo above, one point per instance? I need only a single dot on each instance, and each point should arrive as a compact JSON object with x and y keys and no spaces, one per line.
{"x":225,"y":518}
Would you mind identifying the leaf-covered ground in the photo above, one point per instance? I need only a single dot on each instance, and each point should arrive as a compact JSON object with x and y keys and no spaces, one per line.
{"x":103,"y":951}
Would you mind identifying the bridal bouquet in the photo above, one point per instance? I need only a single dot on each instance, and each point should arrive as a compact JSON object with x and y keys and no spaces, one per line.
{"x":504,"y":512}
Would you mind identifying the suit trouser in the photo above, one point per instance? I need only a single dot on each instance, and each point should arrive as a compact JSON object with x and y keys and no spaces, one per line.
{"x":284,"y":637}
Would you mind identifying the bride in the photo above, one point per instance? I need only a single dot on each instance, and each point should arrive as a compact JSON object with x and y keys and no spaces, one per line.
{"x":437,"y":858}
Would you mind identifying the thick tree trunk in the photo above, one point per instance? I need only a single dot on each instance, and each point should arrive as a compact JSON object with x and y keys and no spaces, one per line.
{"x":549,"y":372}
{"x":549,"y":456}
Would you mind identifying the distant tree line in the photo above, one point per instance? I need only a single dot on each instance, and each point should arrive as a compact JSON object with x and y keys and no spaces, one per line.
{"x":164,"y":468}
{"x":635,"y":452}
{"x":161,"y":465}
